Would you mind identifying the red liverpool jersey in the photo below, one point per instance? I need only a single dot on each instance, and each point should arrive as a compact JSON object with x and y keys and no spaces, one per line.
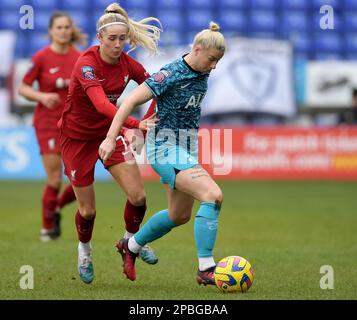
{"x":53,"y":72}
{"x":81,"y":120}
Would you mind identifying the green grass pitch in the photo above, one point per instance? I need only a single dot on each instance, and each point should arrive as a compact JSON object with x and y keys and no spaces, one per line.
{"x":287,"y":230}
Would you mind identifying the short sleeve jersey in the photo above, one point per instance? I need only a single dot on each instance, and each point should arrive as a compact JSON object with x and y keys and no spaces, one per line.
{"x":52,"y":71}
{"x":80,"y":119}
{"x":179,"y":91}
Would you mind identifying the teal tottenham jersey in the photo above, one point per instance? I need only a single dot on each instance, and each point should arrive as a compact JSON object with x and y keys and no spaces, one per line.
{"x":179,"y":91}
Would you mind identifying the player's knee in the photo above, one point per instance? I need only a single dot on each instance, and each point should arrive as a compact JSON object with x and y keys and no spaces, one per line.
{"x":88,"y":214}
{"x":138,"y":199}
{"x":87,"y":211}
{"x":214,"y":195}
{"x":54,"y":179}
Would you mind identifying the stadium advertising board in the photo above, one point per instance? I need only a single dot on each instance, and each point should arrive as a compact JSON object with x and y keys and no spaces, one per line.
{"x":227,"y":153}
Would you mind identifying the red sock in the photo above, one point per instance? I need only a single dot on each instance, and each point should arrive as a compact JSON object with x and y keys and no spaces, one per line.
{"x":67,"y":196}
{"x":84,"y":228}
{"x":133,"y":216}
{"x":49,"y":204}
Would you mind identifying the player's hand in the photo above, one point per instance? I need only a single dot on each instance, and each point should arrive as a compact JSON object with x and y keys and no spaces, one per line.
{"x":148,"y":122}
{"x":50,"y":99}
{"x":106,"y":149}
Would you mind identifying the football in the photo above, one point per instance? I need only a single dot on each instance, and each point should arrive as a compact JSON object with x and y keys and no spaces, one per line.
{"x":233,"y":274}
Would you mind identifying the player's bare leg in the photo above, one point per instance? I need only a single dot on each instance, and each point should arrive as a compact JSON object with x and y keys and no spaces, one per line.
{"x":197,"y":182}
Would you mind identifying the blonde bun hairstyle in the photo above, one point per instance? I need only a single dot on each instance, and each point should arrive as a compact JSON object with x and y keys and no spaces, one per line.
{"x":211,"y":38}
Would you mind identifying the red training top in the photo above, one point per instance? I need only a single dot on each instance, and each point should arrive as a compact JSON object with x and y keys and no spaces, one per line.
{"x":94,"y":89}
{"x":52,"y":71}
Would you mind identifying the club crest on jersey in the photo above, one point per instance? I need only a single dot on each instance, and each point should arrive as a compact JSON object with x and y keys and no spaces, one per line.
{"x":88,"y":72}
{"x":161,"y":76}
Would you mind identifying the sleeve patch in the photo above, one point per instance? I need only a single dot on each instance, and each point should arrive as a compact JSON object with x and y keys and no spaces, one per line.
{"x":161,"y":76}
{"x":88,"y":73}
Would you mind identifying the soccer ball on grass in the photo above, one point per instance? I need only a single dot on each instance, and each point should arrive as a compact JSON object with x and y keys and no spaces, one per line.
{"x":233,"y":274}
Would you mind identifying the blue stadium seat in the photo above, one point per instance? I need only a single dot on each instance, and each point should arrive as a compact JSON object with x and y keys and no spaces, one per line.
{"x":169,"y":4}
{"x":37,"y":41}
{"x":302,"y":42}
{"x":294,"y":20}
{"x":350,"y":43}
{"x":21,"y":46}
{"x":137,"y":4}
{"x":172,"y":38}
{"x":263,"y":35}
{"x":68,"y":5}
{"x":80,"y":19}
{"x":102,"y":4}
{"x":9,"y":20}
{"x":45,"y":4}
{"x":138,"y":14}
{"x":199,"y":19}
{"x":330,"y":42}
{"x":171,"y":20}
{"x":13,"y":4}
{"x":350,"y":21}
{"x":42,"y":19}
{"x":295,"y":4}
{"x":232,"y":20}
{"x":263,"y":20}
{"x":264,"y":4}
{"x":350,"y":56}
{"x":232,"y":4}
{"x":333,"y":3}
{"x":203,"y":4}
{"x":350,"y":5}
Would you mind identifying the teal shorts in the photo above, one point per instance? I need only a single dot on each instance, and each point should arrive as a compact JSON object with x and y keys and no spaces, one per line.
{"x":169,"y":161}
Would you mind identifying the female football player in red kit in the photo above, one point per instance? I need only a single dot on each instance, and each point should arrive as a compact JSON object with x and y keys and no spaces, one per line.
{"x":98,"y":79}
{"x":52,"y":68}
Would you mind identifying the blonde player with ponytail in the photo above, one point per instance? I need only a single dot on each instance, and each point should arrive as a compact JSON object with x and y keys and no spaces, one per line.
{"x":179,"y":88}
{"x":98,"y":79}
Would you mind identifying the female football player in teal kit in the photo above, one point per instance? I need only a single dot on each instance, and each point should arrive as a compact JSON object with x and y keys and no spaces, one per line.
{"x":179,"y":88}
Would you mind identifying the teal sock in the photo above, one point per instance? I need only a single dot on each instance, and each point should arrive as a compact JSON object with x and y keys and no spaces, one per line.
{"x":205,"y":228}
{"x":156,"y":227}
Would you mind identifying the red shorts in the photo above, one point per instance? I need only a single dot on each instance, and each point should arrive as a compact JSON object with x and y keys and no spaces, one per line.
{"x":79,"y":158}
{"x":48,"y":141}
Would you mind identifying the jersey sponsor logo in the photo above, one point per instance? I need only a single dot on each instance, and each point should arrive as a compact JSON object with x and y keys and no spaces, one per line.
{"x":194,"y":101}
{"x":54,"y":70}
{"x":161,"y":76}
{"x":88,"y":73}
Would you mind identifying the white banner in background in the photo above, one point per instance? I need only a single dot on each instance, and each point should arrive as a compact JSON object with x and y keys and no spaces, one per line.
{"x":330,"y":83}
{"x":7,"y":40}
{"x":255,"y":75}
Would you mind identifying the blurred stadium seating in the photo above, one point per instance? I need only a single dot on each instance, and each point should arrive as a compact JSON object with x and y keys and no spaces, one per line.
{"x":296,"y":20}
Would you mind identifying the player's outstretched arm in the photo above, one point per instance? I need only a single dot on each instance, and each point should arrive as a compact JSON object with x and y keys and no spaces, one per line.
{"x":137,"y":97}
